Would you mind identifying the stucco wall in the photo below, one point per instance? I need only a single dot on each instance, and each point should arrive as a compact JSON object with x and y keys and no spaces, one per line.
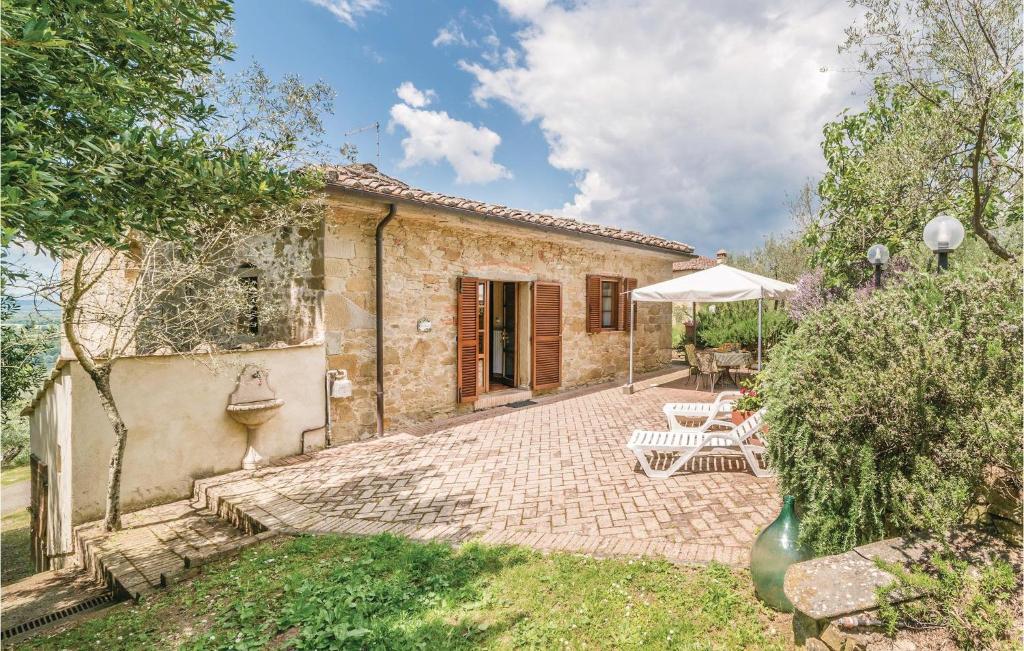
{"x":425,"y":254}
{"x":178,"y":429}
{"x":50,"y":427}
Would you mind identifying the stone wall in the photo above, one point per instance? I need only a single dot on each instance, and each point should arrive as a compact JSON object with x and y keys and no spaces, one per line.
{"x":286,"y":262}
{"x":425,"y":254}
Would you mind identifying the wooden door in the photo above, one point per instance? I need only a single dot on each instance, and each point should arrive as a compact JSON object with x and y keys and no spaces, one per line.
{"x":467,"y":340}
{"x":546,"y":329}
{"x":508,"y":334}
{"x":39,"y":489}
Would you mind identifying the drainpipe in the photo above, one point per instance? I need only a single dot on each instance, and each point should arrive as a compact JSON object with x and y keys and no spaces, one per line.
{"x":380,"y":315}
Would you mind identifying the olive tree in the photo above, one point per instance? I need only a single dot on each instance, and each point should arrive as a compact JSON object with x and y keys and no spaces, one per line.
{"x":125,"y":154}
{"x":940,"y":132}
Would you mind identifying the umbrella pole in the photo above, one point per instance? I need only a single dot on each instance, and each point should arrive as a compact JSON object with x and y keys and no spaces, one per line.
{"x":693,"y":319}
{"x":632,"y":319}
{"x":759,"y":301}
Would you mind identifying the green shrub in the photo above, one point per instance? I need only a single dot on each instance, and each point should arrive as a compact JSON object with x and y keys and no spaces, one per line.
{"x":975,"y":604}
{"x":884,"y":411}
{"x":737,"y":323}
{"x":14,"y":440}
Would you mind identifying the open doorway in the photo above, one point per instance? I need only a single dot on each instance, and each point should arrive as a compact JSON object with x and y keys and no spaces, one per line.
{"x":502,"y":335}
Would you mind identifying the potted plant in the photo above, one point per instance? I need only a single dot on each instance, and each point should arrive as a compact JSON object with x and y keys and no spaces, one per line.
{"x":750,"y":400}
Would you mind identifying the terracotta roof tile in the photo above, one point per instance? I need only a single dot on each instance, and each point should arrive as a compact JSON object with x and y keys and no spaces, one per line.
{"x":367,"y":178}
{"x":694,"y":264}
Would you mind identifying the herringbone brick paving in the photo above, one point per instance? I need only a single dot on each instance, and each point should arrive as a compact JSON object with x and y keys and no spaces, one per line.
{"x":556,"y":476}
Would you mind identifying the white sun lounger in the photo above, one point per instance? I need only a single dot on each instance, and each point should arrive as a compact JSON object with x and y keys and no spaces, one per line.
{"x":687,"y":442}
{"x":720,"y":408}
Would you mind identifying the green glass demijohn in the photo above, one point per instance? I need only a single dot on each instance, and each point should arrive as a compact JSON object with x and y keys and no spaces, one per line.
{"x":774,"y":551}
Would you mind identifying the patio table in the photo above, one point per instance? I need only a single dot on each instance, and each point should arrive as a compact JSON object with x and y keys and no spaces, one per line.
{"x":738,"y":359}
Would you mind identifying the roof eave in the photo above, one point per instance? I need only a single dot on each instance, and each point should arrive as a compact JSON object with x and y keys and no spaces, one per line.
{"x":465,"y":212}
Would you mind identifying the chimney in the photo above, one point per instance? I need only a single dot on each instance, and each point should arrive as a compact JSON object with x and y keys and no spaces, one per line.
{"x":722,"y":256}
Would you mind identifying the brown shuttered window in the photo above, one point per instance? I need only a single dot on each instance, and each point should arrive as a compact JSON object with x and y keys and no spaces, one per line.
{"x":467,"y":338}
{"x":607,"y":306}
{"x":628,"y":285}
{"x":593,"y":303}
{"x":547,"y":335}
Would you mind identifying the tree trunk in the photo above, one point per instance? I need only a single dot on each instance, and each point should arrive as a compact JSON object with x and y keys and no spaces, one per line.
{"x":980,"y":199}
{"x":100,"y":374}
{"x":12,"y":454}
{"x":101,"y":378}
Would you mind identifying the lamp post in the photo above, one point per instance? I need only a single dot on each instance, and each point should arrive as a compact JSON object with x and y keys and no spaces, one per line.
{"x":878,"y":255}
{"x":942,"y":235}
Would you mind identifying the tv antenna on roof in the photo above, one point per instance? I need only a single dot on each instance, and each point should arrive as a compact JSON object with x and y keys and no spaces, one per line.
{"x":376,"y":127}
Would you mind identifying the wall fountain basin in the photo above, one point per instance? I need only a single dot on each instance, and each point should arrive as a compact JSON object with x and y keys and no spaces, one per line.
{"x":252,"y":404}
{"x":254,"y":414}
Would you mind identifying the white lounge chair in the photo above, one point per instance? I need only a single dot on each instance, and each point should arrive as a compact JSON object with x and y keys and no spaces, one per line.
{"x":720,"y":408}
{"x":687,"y":442}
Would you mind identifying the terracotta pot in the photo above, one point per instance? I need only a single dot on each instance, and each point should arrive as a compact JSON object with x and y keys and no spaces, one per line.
{"x":739,"y":416}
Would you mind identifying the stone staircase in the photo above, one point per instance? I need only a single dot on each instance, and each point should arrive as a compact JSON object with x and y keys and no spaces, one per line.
{"x":158,"y":546}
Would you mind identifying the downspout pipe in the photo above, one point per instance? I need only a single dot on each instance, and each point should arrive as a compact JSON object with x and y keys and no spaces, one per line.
{"x":379,"y":308}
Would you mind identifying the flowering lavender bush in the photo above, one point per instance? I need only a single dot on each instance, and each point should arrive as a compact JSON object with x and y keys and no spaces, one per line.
{"x":887,"y":410}
{"x":811,"y":295}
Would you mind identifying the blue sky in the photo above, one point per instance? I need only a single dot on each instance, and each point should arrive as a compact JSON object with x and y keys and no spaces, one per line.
{"x":690,"y":120}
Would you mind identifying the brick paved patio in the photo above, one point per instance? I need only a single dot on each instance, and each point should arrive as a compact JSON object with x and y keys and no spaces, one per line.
{"x":553,"y":476}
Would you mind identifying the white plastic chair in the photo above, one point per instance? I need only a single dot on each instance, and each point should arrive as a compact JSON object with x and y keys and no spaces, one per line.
{"x":720,"y":408}
{"x":687,"y":442}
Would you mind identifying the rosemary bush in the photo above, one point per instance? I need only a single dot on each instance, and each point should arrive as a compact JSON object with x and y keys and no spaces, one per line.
{"x":737,"y":323}
{"x":976,"y":605}
{"x":885,"y":410}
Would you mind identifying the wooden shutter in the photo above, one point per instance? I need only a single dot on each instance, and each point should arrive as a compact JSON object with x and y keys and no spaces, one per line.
{"x":625,"y":313}
{"x":466,"y":339}
{"x":593,"y":303}
{"x":547,"y":335}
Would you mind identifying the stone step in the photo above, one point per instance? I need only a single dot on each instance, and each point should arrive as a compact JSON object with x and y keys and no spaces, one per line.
{"x":156,"y":547}
{"x":253,"y":507}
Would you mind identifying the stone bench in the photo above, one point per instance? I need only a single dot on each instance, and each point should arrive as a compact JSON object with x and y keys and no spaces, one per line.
{"x":834,"y":597}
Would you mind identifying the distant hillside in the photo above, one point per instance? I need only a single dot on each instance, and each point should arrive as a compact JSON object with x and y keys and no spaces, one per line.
{"x":40,"y":311}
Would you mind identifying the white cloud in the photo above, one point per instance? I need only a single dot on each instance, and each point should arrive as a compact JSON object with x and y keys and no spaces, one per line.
{"x":413,"y":96}
{"x":450,"y":34}
{"x":523,"y":8}
{"x":348,"y":10}
{"x":435,"y":136}
{"x":693,"y":120}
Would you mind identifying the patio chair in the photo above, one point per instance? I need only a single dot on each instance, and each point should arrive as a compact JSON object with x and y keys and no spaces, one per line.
{"x":706,"y":368}
{"x":720,"y":408}
{"x":688,"y":442}
{"x":691,"y":355}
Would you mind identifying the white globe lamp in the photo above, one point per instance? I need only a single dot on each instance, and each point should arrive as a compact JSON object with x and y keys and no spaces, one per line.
{"x":942,"y":235}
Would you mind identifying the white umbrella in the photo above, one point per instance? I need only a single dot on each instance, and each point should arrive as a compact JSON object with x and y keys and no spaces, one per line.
{"x":719,"y":284}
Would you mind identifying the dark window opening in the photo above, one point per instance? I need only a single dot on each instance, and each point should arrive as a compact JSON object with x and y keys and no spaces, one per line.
{"x":609,"y":303}
{"x":249,"y":320}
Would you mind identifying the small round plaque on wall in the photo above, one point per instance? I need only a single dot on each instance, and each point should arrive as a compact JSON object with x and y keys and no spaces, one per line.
{"x":424,"y":325}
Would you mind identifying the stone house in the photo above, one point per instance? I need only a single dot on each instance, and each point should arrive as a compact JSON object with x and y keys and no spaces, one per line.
{"x":482,"y":304}
{"x":474,"y":305}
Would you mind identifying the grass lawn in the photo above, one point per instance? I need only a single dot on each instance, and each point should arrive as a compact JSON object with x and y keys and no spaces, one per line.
{"x":388,"y":592}
{"x":14,"y":475}
{"x":15,"y":558}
